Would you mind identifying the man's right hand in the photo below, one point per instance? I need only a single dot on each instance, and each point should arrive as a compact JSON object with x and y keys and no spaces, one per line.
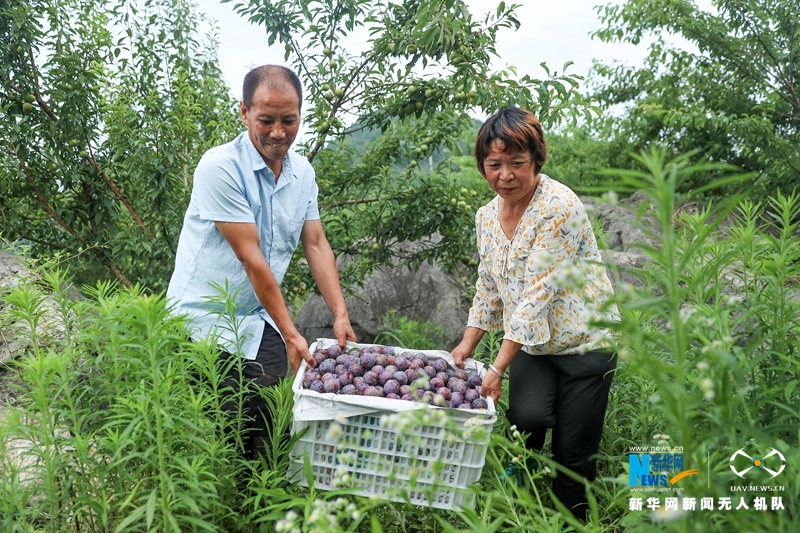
{"x":297,"y":349}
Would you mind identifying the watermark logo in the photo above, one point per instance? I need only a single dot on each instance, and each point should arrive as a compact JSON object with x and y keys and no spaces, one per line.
{"x":773,"y":463}
{"x":657,"y":468}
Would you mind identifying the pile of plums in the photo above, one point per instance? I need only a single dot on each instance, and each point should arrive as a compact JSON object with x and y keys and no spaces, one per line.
{"x":377,"y":371}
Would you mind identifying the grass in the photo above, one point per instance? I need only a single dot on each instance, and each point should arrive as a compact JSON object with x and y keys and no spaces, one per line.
{"x":118,"y":425}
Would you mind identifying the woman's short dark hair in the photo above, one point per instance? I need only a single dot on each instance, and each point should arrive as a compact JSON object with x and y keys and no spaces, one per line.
{"x":274,"y":77}
{"x":518,"y":130}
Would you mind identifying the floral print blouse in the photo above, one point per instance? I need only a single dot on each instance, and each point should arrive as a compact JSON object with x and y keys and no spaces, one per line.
{"x":544,"y":286}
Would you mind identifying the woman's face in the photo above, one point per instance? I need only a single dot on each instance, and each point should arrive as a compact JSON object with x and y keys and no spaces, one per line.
{"x":510,"y":174}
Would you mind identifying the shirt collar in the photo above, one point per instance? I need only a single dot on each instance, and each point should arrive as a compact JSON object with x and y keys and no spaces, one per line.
{"x":257,"y":162}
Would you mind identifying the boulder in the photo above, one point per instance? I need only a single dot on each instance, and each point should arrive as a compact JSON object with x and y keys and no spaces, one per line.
{"x":427,"y":294}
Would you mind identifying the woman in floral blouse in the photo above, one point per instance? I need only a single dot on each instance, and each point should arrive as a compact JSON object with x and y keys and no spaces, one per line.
{"x":541,"y":282}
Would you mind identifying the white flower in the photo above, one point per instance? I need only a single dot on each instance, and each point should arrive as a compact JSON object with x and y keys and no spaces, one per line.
{"x":702,"y":365}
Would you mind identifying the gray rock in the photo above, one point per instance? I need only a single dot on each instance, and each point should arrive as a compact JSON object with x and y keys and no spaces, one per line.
{"x":429,"y":294}
{"x":624,"y":230}
{"x":15,"y":334}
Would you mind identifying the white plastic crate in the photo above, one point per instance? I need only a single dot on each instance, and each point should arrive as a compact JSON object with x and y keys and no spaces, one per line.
{"x":426,"y":464}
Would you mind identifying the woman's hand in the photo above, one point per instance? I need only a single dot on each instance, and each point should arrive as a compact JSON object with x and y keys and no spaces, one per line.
{"x":461,"y":352}
{"x":492,"y":386}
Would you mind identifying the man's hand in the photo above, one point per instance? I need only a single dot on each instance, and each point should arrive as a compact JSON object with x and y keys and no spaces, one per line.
{"x":297,"y":349}
{"x":343,"y":331}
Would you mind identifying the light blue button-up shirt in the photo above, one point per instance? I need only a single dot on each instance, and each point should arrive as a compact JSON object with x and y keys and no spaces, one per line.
{"x":232,"y":183}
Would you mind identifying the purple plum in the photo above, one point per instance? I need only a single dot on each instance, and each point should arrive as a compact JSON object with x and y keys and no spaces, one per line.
{"x":400,"y":377}
{"x":436,"y":383}
{"x":339,"y":369}
{"x":378,"y":369}
{"x":474,"y":381}
{"x":345,"y":378}
{"x":461,"y":374}
{"x":443,"y":376}
{"x":327,"y":366}
{"x":480,"y":403}
{"x":327,"y":377}
{"x":392,"y":396}
{"x":317,"y":386}
{"x":407,"y":397}
{"x":372,"y":391}
{"x":309,"y":378}
{"x":357,"y":369}
{"x":404,"y":389}
{"x":391,"y":369}
{"x":348,"y":389}
{"x":439,"y":364}
{"x":471,"y":395}
{"x":319,"y":357}
{"x":361,"y":388}
{"x":430,"y":371}
{"x":385,"y":377}
{"x":332,"y":385}
{"x":456,"y":398}
{"x":457,"y":385}
{"x":334,"y":351}
{"x":367,"y":360}
{"x":444,"y":392}
{"x":401,"y":363}
{"x":391,"y":387}
{"x":370,"y":378}
{"x":464,"y":405}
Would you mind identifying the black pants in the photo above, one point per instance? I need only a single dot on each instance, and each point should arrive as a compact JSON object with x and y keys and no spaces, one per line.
{"x":568,"y":393}
{"x":245,"y":377}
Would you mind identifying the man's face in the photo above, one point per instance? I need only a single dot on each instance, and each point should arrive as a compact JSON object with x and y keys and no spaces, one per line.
{"x":272,"y":122}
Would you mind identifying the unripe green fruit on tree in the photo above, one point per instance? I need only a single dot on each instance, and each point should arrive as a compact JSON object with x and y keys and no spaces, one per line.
{"x":454,"y":201}
{"x":390,"y":47}
{"x":419,"y":105}
{"x":428,"y":93}
{"x":84,"y":153}
{"x":412,"y":48}
{"x":326,"y":86}
{"x":423,"y":147}
{"x":62,"y":137}
{"x":376,"y":246}
{"x":53,"y":167}
{"x":288,"y":47}
{"x":30,"y":98}
{"x":73,"y":142}
{"x":332,"y":63}
{"x":20,"y":49}
{"x":464,"y":190}
{"x":27,"y":108}
{"x":322,"y":126}
{"x":338,"y":93}
{"x":412,"y":89}
{"x":327,"y":51}
{"x":328,"y":95}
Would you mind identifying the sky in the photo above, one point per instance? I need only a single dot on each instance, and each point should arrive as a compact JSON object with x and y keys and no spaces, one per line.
{"x":551,"y":31}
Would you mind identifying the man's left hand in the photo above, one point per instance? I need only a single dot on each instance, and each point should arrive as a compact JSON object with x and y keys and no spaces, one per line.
{"x":343,"y":331}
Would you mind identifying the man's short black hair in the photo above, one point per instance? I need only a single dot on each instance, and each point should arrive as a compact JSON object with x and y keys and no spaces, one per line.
{"x":274,"y":77}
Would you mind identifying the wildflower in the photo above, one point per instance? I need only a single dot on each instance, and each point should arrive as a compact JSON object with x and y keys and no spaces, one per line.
{"x":702,"y":365}
{"x":733,"y":299}
{"x":611,"y":197}
{"x":334,"y":432}
{"x":686,"y":313}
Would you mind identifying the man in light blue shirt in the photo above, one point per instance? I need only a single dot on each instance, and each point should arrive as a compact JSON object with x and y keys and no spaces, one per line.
{"x":252,"y":201}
